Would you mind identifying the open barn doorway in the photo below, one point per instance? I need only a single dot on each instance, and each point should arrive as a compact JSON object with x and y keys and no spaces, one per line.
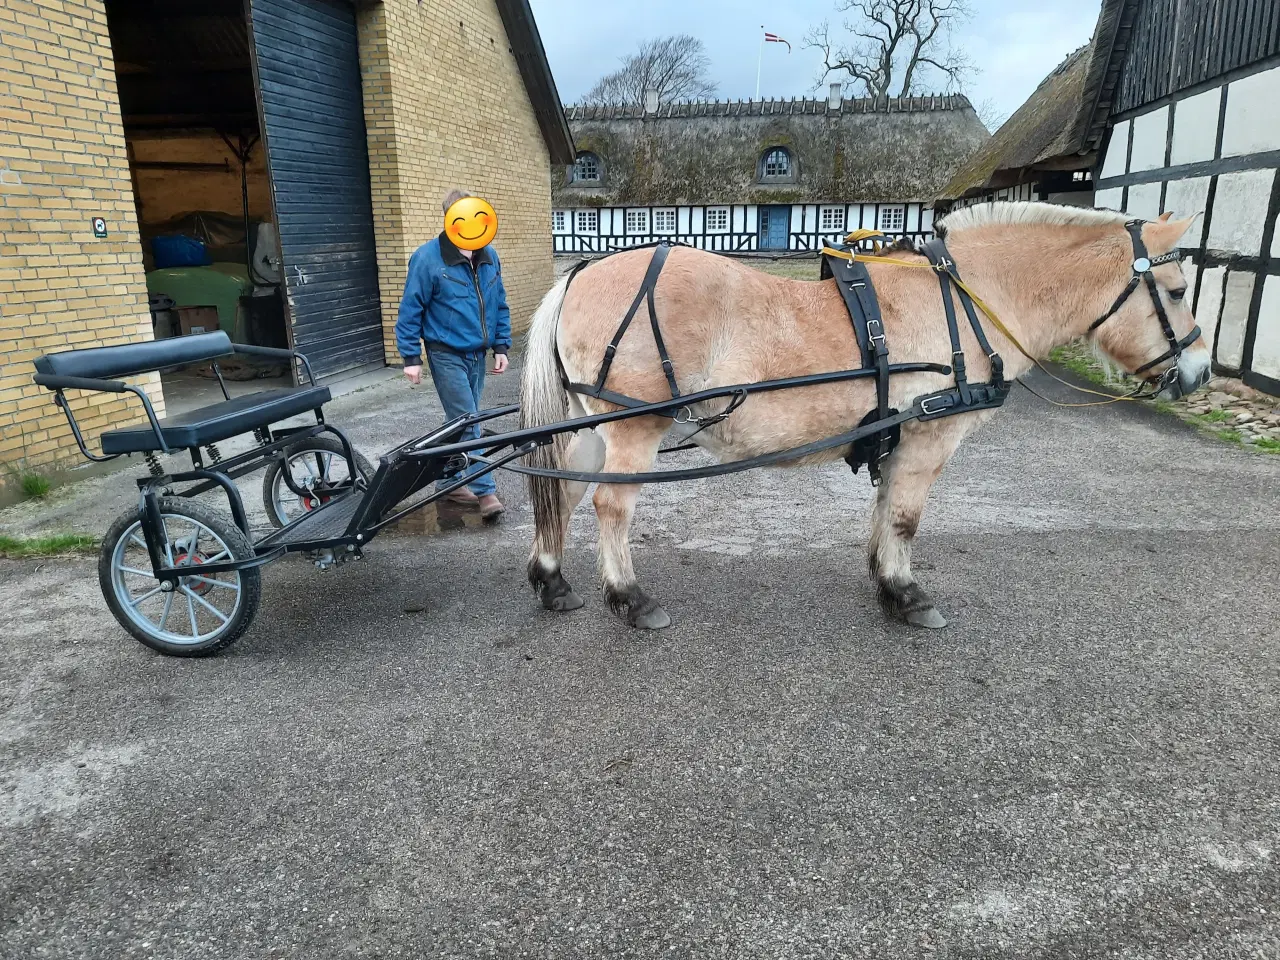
{"x":201,"y":185}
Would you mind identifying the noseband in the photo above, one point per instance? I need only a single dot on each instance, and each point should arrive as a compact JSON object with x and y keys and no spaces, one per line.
{"x":1142,"y":266}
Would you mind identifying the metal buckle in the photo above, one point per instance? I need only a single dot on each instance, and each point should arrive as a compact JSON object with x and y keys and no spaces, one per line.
{"x":875,"y":337}
{"x":924,"y":405}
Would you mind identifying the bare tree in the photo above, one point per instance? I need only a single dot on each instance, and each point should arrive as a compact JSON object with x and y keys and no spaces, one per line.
{"x":674,"y":67}
{"x":991,"y":115}
{"x":894,"y":46}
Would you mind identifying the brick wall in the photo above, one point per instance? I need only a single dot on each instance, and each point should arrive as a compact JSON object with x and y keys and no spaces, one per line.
{"x":444,"y":107}
{"x":62,"y":162}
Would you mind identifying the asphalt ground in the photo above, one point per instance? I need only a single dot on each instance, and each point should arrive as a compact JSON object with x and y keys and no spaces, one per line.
{"x":1084,"y":764}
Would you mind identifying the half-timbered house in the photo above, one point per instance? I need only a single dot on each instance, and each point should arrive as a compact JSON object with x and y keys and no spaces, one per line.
{"x":762,"y":175}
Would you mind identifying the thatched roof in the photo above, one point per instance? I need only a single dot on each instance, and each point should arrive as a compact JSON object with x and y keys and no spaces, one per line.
{"x":1063,"y":121}
{"x":1042,"y":130}
{"x":886,"y":149}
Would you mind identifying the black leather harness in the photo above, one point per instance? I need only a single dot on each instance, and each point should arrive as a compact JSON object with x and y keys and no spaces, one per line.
{"x":879,"y":432}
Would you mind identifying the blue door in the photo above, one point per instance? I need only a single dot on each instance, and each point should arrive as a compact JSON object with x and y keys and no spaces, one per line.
{"x":775,"y":224}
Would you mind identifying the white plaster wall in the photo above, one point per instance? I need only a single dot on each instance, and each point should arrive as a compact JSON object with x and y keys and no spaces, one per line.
{"x":1144,"y":200}
{"x":1275,"y":238}
{"x":1209,"y":307}
{"x":1109,"y":199}
{"x":1150,"y":131}
{"x":1235,"y":315}
{"x":1185,"y":198}
{"x":1252,"y":122}
{"x":1240,"y":211}
{"x":1195,"y":127}
{"x":1114,"y":162}
{"x":1266,"y":344}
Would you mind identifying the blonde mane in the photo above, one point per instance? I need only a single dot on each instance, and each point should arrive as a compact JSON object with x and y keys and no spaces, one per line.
{"x":1018,"y":214}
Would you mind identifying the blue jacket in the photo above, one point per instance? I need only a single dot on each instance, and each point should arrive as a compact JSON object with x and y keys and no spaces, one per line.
{"x":449,"y":302}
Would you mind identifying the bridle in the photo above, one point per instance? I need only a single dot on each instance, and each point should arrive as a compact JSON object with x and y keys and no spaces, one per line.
{"x":1143,"y":263}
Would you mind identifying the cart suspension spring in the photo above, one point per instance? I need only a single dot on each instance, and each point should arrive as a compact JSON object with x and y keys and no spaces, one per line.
{"x":214,"y":456}
{"x":262,"y":435}
{"x":153,"y":464}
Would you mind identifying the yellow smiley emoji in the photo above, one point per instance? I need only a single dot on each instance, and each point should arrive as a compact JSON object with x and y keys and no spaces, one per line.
{"x":471,"y":223}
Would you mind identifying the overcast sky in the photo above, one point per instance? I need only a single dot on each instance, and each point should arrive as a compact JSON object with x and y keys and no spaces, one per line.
{"x":1016,"y":42}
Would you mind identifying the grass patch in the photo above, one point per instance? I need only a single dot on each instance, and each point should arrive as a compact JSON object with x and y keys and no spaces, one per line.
{"x":1216,"y":416}
{"x":1080,"y":361}
{"x":1231,"y":436}
{"x":35,"y":486}
{"x":14,"y":548}
{"x":1268,"y":444}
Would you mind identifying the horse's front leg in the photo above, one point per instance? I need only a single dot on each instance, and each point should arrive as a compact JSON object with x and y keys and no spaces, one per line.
{"x":630,"y":448}
{"x":908,"y":475}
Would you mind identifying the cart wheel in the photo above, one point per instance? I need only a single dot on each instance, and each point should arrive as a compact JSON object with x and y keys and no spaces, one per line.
{"x":205,"y":613}
{"x":316,"y":464}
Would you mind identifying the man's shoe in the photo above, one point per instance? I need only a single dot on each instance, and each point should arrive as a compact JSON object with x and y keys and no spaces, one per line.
{"x":462,"y":496}
{"x":491,"y":507}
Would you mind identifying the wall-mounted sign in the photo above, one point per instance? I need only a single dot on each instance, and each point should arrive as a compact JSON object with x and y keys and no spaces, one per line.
{"x":99,"y":227}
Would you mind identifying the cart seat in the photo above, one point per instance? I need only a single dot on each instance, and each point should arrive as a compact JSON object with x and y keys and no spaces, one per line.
{"x":205,"y":425}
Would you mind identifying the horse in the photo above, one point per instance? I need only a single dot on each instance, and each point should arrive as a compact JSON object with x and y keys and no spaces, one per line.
{"x":1046,"y":272}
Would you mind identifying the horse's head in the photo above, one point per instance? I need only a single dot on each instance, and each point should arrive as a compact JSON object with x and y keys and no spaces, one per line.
{"x":1149,"y":329}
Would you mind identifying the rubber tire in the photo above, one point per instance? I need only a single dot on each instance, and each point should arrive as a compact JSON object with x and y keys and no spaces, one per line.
{"x":241,"y":549}
{"x":311,"y":444}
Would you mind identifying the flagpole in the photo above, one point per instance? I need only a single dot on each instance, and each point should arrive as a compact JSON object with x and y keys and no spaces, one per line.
{"x":759,"y":60}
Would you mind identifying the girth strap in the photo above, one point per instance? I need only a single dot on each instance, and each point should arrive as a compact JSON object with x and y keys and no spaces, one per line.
{"x":855,"y":286}
{"x":645,"y":294}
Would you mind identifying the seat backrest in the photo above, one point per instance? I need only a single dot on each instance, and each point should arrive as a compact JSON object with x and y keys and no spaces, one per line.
{"x":126,"y":359}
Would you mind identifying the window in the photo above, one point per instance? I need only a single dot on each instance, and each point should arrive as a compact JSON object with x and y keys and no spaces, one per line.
{"x":559,"y":221}
{"x":893,"y":219}
{"x":637,"y":221}
{"x":664,"y":221}
{"x":777,"y":163}
{"x":717,"y":219}
{"x":588,"y":221}
{"x":587,"y":169}
{"x":831,"y":219}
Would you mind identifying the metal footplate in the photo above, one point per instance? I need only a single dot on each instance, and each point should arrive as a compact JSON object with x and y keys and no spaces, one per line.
{"x":328,"y":523}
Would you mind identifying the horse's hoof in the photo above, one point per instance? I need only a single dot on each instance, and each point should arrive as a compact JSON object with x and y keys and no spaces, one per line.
{"x":653,"y":619}
{"x":929,"y":618}
{"x":563,"y":602}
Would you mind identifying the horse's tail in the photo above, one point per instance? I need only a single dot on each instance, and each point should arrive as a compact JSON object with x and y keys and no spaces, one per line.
{"x":543,"y":401}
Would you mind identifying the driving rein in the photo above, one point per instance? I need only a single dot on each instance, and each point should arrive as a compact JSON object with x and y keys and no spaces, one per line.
{"x":880,"y":430}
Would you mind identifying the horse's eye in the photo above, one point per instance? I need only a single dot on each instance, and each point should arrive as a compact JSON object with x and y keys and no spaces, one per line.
{"x":1178,"y":294}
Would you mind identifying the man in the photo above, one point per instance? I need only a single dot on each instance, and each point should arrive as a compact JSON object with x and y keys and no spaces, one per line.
{"x":455,"y":302}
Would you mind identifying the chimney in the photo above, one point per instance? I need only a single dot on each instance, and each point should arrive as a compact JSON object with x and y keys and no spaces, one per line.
{"x":835,"y":97}
{"x":650,"y":102}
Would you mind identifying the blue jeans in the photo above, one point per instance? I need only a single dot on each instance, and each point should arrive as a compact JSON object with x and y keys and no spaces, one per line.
{"x":459,"y":380}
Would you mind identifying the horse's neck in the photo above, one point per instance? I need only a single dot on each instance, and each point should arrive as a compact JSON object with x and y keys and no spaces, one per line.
{"x":1046,"y":287}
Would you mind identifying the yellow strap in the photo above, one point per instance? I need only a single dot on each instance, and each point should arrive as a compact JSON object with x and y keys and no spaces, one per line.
{"x":894,"y":261}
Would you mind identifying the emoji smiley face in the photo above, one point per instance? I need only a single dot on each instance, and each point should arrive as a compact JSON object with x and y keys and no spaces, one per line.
{"x":471,"y":223}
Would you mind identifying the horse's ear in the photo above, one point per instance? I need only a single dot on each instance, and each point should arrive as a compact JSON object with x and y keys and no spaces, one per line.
{"x":1164,"y":234}
{"x":1164,"y":217}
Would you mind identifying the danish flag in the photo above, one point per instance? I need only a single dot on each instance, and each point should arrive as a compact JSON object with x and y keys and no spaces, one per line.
{"x":774,"y":38}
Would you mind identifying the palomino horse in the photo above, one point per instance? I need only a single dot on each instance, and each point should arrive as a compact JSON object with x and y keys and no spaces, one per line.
{"x":1048,"y":272}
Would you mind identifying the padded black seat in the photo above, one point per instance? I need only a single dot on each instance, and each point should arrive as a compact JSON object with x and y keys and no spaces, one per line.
{"x":196,"y":428}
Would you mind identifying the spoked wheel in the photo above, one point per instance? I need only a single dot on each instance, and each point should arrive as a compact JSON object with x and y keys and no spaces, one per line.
{"x":204,"y":613}
{"x":318,"y":467}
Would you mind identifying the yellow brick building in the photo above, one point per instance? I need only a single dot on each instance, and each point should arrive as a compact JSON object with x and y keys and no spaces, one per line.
{"x":93,"y":125}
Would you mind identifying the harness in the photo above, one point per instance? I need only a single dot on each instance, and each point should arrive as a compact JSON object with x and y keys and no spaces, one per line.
{"x":879,"y":432}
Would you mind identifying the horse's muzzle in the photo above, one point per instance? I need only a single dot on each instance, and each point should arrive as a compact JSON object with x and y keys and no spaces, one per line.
{"x":1191,"y":376}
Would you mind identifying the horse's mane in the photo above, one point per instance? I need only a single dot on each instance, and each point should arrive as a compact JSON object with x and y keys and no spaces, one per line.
{"x":1018,"y":214}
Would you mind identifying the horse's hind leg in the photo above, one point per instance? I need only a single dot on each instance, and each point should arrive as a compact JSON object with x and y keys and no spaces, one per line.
{"x":586,"y":454}
{"x":900,"y":499}
{"x":631,"y":446}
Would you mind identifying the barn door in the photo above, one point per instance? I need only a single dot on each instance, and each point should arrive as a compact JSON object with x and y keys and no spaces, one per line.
{"x":308,"y":73}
